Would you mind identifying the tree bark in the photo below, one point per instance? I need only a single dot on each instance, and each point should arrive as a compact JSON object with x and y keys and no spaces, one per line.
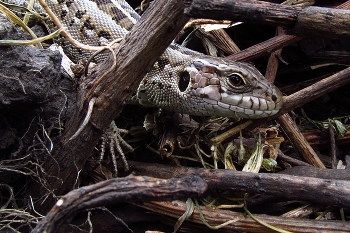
{"x":135,"y":55}
{"x":308,"y":21}
{"x":119,"y":190}
{"x":243,"y":223}
{"x":287,"y":187}
{"x":246,"y":11}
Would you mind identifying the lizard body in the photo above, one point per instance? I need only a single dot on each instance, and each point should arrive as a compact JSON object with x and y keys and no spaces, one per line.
{"x":182,"y":80}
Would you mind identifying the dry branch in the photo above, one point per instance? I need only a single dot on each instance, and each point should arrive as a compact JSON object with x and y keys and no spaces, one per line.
{"x":308,"y":21}
{"x":243,"y":222}
{"x":289,"y":127}
{"x":117,"y":190}
{"x":323,"y":191}
{"x":308,"y":171}
{"x":246,"y":11}
{"x":264,"y":48}
{"x":135,"y":56}
{"x":316,"y":90}
{"x":299,"y":142}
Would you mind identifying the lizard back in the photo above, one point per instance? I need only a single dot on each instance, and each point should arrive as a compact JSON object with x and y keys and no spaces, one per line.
{"x":181,"y":80}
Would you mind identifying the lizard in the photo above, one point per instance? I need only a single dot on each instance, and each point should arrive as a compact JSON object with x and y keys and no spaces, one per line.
{"x":181,"y":80}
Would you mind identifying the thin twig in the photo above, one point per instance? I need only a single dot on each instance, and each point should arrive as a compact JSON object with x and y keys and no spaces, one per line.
{"x":86,"y":119}
{"x":17,"y":79}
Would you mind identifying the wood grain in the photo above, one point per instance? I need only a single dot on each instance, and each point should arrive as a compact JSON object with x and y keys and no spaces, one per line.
{"x":308,"y":21}
{"x":136,"y":54}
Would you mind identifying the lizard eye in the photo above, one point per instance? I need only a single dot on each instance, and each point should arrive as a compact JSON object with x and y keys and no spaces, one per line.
{"x":184,"y":80}
{"x":235,"y":80}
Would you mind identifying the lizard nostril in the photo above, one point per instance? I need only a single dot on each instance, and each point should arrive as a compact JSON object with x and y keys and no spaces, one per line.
{"x":274,"y":97}
{"x":184,"y":80}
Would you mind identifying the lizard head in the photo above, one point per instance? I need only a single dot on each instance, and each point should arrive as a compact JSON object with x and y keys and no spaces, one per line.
{"x":229,"y":89}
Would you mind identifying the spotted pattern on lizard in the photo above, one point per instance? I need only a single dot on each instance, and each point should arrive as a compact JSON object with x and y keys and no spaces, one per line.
{"x":181,"y":80}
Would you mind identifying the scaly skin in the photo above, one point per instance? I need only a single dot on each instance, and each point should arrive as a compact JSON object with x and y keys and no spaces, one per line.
{"x":182,"y":80}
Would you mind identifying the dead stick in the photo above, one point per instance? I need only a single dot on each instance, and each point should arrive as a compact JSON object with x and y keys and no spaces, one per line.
{"x":246,"y":11}
{"x":333,"y":146}
{"x":111,"y":191}
{"x":323,"y":191}
{"x":243,"y":223}
{"x":264,"y":48}
{"x":136,"y":54}
{"x":316,"y":90}
{"x":308,"y":21}
{"x":270,"y":45}
{"x":300,"y":144}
